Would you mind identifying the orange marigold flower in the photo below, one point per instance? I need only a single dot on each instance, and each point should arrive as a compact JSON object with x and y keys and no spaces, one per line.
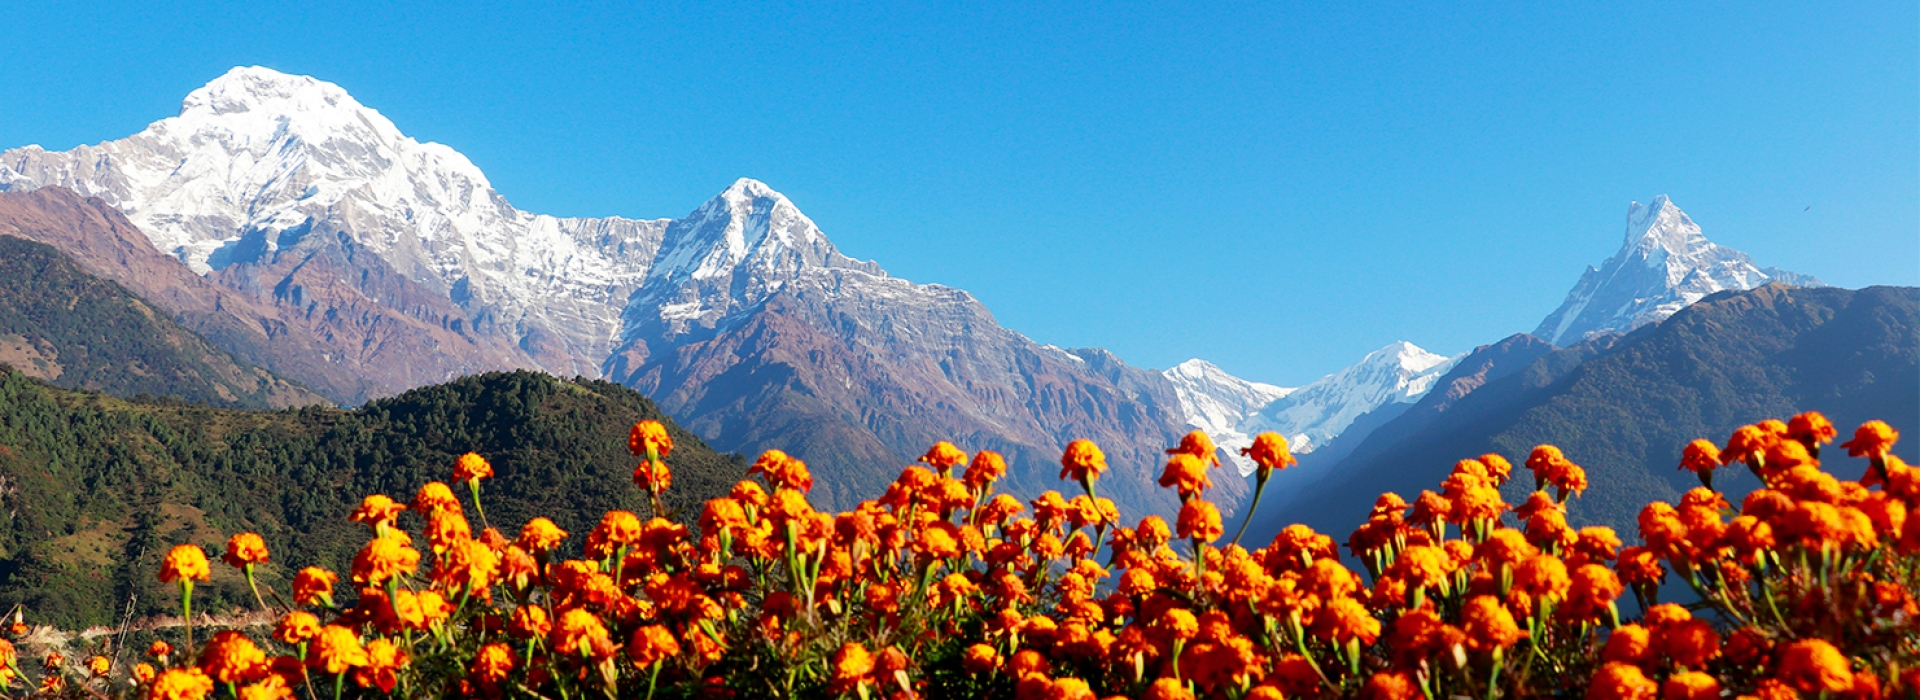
{"x":617,"y":528}
{"x":979,"y":659}
{"x":384,"y":558}
{"x":1344,"y":618}
{"x":1423,"y":565}
{"x":245,"y":548}
{"x":180,"y":684}
{"x":1690,"y":643}
{"x":1700,"y":456}
{"x":157,"y":649}
{"x":649,"y":434}
{"x":1197,"y":443}
{"x":1498,"y":468}
{"x":492,"y":662}
{"x":230,"y":657}
{"x":1811,"y":428}
{"x":377,"y":511}
{"x":1692,"y":685}
{"x":1167,"y":689}
{"x":782,"y":471}
{"x":1430,"y":508}
{"x":143,"y":672}
{"x":314,"y":586}
{"x":435,"y":497}
{"x":1395,"y":685}
{"x":529,"y":621}
{"x":1872,"y":439}
{"x":851,"y":666}
{"x":1489,"y":625}
{"x":336,"y":650}
{"x":384,"y":660}
{"x":1618,"y":681}
{"x":1591,"y":589}
{"x":1815,"y":666}
{"x":1200,"y":520}
{"x":1186,"y":474}
{"x":272,"y":687}
{"x":185,"y":562}
{"x":297,"y":627}
{"x":1542,"y":576}
{"x":98,"y":665}
{"x":1269,"y":452}
{"x":943,"y":456}
{"x":540,"y":535}
{"x":1628,"y":644}
{"x":652,"y":476}
{"x":1747,"y":442}
{"x":1083,"y":461}
{"x":580,"y":633}
{"x":472,"y":467}
{"x":988,"y":466}
{"x":652,"y":644}
{"x":1545,"y":462}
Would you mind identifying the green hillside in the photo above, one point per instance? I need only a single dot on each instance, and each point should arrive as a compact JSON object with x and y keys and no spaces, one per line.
{"x":1624,"y":408}
{"x":96,"y":488}
{"x":79,"y":331}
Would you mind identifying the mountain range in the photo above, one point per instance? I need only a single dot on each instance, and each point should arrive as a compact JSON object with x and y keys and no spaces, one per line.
{"x":305,"y":233}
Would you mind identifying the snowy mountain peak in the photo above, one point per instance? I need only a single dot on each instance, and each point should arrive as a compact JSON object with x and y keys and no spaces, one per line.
{"x":1314,"y":414}
{"x":1218,"y":402}
{"x":1233,"y":410}
{"x":1664,"y":263}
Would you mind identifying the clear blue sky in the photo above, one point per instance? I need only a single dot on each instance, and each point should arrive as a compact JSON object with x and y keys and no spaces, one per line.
{"x":1277,"y":190}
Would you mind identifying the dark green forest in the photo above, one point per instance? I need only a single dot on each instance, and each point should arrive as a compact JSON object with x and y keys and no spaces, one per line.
{"x":95,"y":489}
{"x":79,"y":331}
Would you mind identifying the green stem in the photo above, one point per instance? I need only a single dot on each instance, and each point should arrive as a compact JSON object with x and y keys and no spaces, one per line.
{"x":186,"y":611}
{"x":1259,"y":488}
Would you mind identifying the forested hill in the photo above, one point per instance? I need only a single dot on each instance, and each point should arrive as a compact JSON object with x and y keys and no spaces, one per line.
{"x":94,"y":489}
{"x":61,"y":323}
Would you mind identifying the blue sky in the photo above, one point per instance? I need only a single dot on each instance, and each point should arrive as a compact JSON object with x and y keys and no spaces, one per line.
{"x":1279,"y":190}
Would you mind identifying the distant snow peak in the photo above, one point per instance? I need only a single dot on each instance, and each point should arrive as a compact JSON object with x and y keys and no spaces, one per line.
{"x":1233,"y":410}
{"x":1664,"y":264}
{"x":1218,"y":403}
{"x":1314,"y":414}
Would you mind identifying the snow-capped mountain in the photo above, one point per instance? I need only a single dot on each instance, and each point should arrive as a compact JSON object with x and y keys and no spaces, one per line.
{"x":259,"y":160}
{"x":1221,"y":403}
{"x":1663,"y":264}
{"x":396,"y":260}
{"x":1233,"y":410}
{"x":1314,"y":414}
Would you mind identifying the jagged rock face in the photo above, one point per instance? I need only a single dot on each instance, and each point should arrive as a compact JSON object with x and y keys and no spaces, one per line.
{"x":258,"y":161}
{"x":1663,"y":265}
{"x":764,"y":336}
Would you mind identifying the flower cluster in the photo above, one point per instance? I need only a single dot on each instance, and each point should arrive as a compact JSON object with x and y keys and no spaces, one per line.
{"x":944,"y":587}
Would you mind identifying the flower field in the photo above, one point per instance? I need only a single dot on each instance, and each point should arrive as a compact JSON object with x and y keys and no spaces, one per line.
{"x":942,"y":587}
